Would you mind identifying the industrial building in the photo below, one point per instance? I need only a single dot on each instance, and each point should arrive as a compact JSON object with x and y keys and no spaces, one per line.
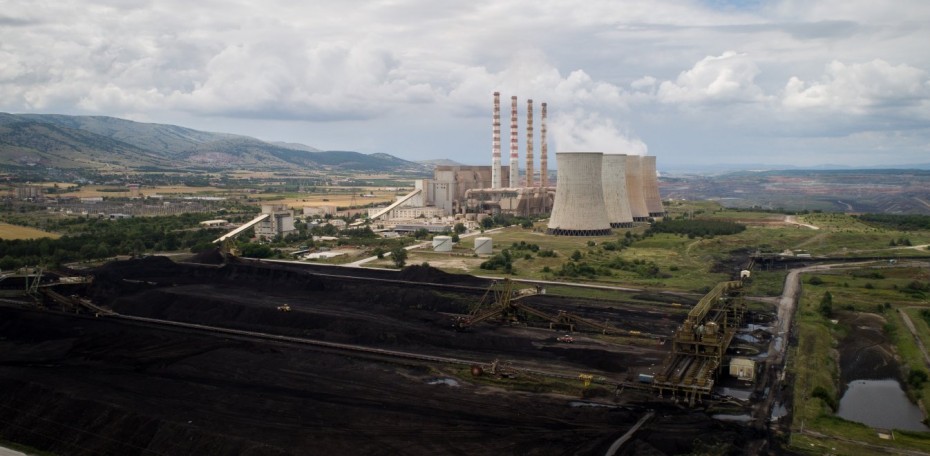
{"x":280,"y":221}
{"x":627,"y":186}
{"x":634,"y":189}
{"x":613,"y":177}
{"x":579,"y":208}
{"x":651,"y":186}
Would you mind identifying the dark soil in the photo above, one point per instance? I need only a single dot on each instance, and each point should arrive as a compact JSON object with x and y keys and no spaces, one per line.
{"x":97,"y":386}
{"x":866,"y":351}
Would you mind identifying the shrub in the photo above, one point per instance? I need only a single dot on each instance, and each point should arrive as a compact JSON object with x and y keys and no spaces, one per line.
{"x":828,"y":399}
{"x":815,"y":281}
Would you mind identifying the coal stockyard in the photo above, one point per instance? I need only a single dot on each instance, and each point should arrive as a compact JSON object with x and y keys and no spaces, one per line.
{"x":152,"y":356}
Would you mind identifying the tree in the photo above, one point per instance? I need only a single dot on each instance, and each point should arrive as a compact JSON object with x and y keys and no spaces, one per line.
{"x":399,"y":256}
{"x":459,"y":228}
{"x":826,"y":305}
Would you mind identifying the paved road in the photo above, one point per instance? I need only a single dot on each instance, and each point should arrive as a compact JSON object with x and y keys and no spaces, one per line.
{"x":794,"y":221}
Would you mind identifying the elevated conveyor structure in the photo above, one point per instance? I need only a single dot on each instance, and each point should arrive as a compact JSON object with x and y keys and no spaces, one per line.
{"x":232,"y":234}
{"x":701,"y":342}
{"x":390,"y":208}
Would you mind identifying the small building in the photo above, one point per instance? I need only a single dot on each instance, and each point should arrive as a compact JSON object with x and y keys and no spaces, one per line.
{"x":214,"y":223}
{"x":743,"y":369}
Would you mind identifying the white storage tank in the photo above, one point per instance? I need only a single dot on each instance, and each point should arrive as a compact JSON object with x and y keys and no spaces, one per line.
{"x":442,"y":244}
{"x":484,"y":246}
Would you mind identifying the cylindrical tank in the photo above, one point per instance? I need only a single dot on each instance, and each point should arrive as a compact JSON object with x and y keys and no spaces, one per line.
{"x":484,"y":246}
{"x":634,"y":189}
{"x":442,"y":244}
{"x":578,"y":209}
{"x":651,"y":186}
{"x":615,"y":194}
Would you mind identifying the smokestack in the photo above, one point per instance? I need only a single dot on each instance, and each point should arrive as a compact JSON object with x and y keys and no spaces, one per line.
{"x":496,"y":143}
{"x":543,"y":160}
{"x":529,"y":143}
{"x":514,"y":151}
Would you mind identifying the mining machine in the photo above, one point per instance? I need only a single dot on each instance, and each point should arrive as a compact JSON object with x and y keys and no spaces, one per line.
{"x":502,"y":301}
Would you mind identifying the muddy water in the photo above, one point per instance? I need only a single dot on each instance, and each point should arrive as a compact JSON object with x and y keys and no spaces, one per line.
{"x":880,"y":404}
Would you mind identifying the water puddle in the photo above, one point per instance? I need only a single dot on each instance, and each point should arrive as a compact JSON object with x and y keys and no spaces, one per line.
{"x":740,"y":394}
{"x":778,"y":411}
{"x":778,"y":342}
{"x":444,"y":381}
{"x":745,"y":418}
{"x":880,"y":404}
{"x":589,"y":404}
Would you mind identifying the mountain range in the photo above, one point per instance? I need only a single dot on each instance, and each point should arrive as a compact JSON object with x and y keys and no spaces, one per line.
{"x":97,"y":142}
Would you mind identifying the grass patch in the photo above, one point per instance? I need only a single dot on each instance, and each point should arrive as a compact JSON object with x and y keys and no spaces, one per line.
{"x":12,"y":232}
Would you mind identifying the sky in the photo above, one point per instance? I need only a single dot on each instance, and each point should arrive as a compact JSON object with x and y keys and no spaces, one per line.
{"x":695,"y":83}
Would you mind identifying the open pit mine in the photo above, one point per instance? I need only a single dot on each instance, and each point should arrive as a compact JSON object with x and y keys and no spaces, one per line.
{"x":152,"y":356}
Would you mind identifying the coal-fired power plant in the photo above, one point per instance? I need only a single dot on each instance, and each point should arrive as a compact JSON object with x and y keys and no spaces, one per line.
{"x":579,"y":208}
{"x":496,"y":143}
{"x":529,"y":143}
{"x":514,"y":147}
{"x":595,"y":191}
{"x":543,"y":150}
{"x":634,"y":189}
{"x":651,"y":186}
{"x":617,"y":203}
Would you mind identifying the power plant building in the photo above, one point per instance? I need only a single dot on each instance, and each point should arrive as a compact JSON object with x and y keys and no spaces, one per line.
{"x":613,"y":178}
{"x":634,"y":189}
{"x":579,"y":208}
{"x":651,"y":186}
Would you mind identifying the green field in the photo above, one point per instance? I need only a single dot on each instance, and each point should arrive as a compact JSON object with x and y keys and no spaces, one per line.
{"x":814,"y":363}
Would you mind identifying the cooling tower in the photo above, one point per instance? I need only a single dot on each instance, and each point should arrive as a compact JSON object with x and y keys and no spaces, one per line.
{"x":543,"y":150}
{"x":579,"y":208}
{"x":613,"y":178}
{"x":529,"y":143}
{"x":496,"y":143}
{"x":651,"y":187}
{"x":634,"y":189}
{"x":514,"y":150}
{"x":484,"y":246}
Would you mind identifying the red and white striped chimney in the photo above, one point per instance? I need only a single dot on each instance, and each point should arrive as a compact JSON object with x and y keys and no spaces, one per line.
{"x":529,"y":143}
{"x":496,"y":143}
{"x":514,"y":151}
{"x":543,"y":160}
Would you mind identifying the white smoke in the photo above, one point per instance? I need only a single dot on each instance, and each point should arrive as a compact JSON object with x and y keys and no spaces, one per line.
{"x":578,"y":131}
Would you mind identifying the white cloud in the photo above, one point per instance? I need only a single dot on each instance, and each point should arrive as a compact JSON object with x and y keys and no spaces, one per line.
{"x":401,"y":69}
{"x":859,"y":88}
{"x":725,"y":78}
{"x":578,"y":131}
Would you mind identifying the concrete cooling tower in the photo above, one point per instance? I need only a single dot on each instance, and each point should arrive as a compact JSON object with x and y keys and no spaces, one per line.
{"x":613,"y":178}
{"x":651,"y":187}
{"x":634,"y":189}
{"x":578,"y":209}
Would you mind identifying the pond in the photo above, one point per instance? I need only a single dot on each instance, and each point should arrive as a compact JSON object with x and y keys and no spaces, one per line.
{"x":880,"y":404}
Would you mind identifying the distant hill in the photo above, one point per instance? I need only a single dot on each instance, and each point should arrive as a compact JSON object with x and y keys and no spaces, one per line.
{"x":97,"y":142}
{"x":440,"y":162}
